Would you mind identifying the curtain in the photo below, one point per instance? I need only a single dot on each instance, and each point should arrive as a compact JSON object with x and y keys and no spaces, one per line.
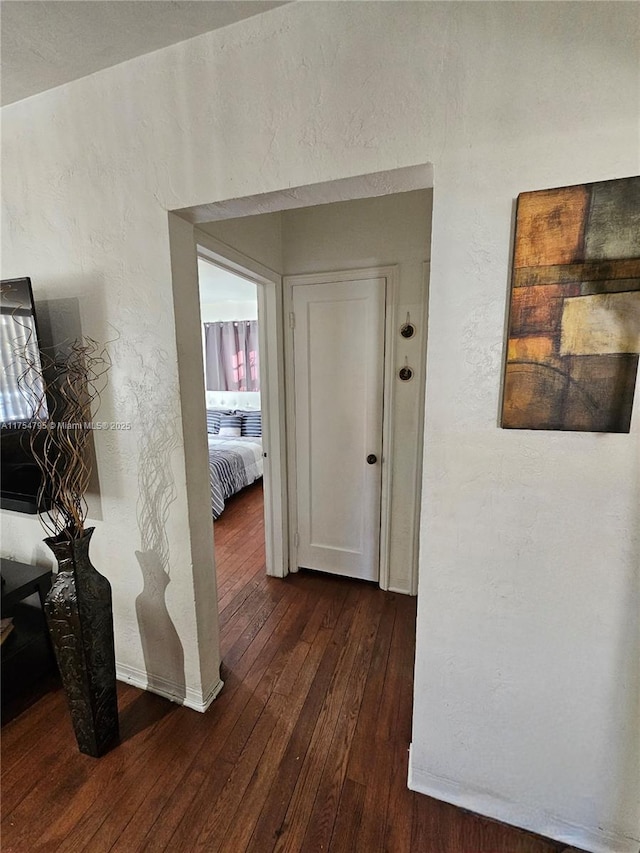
{"x":231,"y":356}
{"x":21,"y":387}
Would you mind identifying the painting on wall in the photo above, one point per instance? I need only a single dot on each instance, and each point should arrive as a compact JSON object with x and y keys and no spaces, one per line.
{"x":574,"y":322}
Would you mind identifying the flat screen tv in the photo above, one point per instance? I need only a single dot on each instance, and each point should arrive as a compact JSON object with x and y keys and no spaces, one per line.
{"x":23,"y":405}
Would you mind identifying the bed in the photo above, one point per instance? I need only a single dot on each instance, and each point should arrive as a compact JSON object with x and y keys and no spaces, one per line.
{"x":235,"y":461}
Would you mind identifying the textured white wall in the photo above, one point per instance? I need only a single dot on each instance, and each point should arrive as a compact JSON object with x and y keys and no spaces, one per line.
{"x":526,"y":691}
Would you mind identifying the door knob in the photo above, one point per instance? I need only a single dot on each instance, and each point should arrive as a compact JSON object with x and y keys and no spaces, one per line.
{"x":372,"y":459}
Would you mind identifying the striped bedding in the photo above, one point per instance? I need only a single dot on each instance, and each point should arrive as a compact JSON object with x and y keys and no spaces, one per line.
{"x":233,"y":464}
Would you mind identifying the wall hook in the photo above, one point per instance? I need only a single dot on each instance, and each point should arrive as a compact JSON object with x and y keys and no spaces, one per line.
{"x":405,"y":373}
{"x":407,"y":330}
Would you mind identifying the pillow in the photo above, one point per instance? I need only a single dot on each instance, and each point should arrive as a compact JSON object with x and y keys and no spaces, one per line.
{"x":252,"y":424}
{"x":213,"y":419}
{"x":231,"y":426}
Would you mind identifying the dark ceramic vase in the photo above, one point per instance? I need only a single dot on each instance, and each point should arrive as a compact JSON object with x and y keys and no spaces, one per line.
{"x":80,"y":618}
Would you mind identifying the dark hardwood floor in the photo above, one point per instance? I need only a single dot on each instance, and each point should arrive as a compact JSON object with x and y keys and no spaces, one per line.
{"x":304,"y":750}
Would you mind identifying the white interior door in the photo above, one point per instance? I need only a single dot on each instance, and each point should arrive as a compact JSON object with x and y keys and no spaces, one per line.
{"x":338,"y":356}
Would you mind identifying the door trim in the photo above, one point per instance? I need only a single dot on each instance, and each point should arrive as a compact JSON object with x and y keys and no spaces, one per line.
{"x":390,"y":274}
{"x":271,"y":391}
{"x":422,"y":397}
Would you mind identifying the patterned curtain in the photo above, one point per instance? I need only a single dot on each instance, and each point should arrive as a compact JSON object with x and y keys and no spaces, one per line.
{"x":231,"y":356}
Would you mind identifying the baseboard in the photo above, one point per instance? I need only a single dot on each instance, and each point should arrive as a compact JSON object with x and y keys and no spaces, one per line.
{"x":211,"y":695}
{"x":491,"y":806}
{"x":168,"y":689}
{"x":398,"y":590}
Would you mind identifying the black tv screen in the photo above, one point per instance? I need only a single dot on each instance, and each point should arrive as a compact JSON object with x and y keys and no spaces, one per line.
{"x":23,"y":404}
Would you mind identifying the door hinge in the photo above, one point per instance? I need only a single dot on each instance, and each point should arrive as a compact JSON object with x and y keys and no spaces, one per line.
{"x":292,"y":320}
{"x":296,"y":539}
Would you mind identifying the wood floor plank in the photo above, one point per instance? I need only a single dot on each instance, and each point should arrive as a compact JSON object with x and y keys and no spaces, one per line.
{"x":305,"y":792}
{"x":262,"y":746}
{"x":374,"y":700}
{"x":236,"y":597}
{"x":403,"y":641}
{"x":239,"y":656}
{"x":158,"y":838}
{"x":125,"y":771}
{"x":349,"y":818}
{"x":206,"y":763}
{"x":253,"y":613}
{"x":233,"y":737}
{"x":192,"y":835}
{"x":50,"y":749}
{"x":305,"y":749}
{"x":269,"y":827}
{"x":241,"y":565}
{"x":164,"y":796}
{"x":331,"y":594}
{"x":396,"y":678}
{"x":321,"y":821}
{"x":248,"y":810}
{"x":71,"y":811}
{"x":204,"y":777}
{"x":18,"y":735}
{"x":371,"y":836}
{"x":399,"y":816}
{"x":290,"y":675}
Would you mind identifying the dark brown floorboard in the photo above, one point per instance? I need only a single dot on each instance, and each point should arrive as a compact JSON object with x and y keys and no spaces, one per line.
{"x":305,"y":749}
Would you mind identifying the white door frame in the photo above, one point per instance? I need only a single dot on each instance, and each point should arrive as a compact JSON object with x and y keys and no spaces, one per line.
{"x":390,"y":273}
{"x":271,"y":390}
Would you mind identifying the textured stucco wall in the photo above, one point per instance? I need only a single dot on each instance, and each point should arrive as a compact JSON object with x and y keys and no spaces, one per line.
{"x":526,"y":691}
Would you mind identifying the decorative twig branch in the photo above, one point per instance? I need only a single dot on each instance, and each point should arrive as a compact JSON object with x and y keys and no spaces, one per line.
{"x":68,"y":386}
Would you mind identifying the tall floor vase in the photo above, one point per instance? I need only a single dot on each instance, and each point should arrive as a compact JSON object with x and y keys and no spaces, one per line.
{"x":80,"y":618}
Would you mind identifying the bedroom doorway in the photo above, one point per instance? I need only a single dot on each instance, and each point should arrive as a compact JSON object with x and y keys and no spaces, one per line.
{"x":238,"y":307}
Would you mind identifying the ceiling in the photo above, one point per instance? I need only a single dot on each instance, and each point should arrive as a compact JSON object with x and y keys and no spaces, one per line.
{"x":45,"y":43}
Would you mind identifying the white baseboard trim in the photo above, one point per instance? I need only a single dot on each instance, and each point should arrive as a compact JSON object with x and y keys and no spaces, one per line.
{"x":177,"y":693}
{"x":495,"y":807}
{"x":398,"y":590}
{"x":211,"y":695}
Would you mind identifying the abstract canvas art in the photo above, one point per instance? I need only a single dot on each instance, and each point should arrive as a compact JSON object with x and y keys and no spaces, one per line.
{"x":574,"y":322}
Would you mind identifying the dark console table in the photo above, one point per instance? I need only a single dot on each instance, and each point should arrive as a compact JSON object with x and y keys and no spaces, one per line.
{"x":27,"y":656}
{"x":20,"y":580}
